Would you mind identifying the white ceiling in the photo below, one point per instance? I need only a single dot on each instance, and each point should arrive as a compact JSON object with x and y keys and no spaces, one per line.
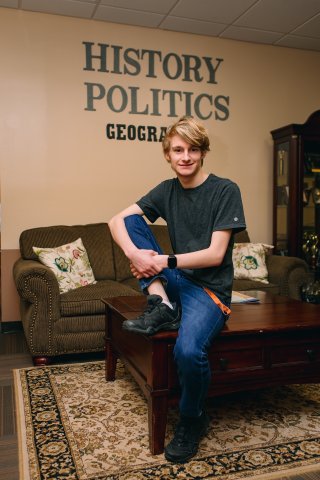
{"x":286,"y":23}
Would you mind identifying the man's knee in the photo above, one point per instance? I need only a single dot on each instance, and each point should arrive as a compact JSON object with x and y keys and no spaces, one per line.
{"x":134,"y":221}
{"x":186,"y":356}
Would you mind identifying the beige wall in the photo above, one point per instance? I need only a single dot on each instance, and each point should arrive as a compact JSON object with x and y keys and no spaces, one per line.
{"x":58,"y":167}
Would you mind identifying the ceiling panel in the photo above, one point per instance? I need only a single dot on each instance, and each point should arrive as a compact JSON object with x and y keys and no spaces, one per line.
{"x":251,"y":35}
{"x":310,"y":28}
{"x":155,"y":6}
{"x":61,"y":7}
{"x":220,"y":11}
{"x":289,"y":23}
{"x":130,"y":17}
{"x":306,"y":43}
{"x":192,"y":26}
{"x":9,"y":3}
{"x":279,"y":15}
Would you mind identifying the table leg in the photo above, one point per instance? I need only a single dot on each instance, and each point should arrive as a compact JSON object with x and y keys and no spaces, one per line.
{"x":111,"y":362}
{"x":157,"y":420}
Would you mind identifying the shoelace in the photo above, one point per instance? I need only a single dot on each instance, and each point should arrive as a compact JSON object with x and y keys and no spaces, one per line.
{"x":148,"y":309}
{"x":182,"y":432}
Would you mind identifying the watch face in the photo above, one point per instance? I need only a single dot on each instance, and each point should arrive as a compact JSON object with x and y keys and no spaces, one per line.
{"x":172,"y":261}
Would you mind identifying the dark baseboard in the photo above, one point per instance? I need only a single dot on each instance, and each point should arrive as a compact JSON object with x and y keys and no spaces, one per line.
{"x":10,"y":327}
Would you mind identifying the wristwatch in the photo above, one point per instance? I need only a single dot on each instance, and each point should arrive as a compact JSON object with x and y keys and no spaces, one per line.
{"x":172,"y":261}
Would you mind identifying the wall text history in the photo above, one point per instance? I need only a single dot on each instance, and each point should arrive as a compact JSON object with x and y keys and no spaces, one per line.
{"x":116,"y":62}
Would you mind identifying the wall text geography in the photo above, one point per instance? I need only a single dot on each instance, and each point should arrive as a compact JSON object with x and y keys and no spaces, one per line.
{"x":116,"y":61}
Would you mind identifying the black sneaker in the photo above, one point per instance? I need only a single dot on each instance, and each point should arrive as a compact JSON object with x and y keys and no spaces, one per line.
{"x":156,"y":317}
{"x":185,"y":442}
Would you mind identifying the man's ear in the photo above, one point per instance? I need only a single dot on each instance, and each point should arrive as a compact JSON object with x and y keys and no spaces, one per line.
{"x":167,"y":157}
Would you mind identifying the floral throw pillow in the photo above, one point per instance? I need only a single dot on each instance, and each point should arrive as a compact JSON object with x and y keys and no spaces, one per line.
{"x":69,"y":263}
{"x":249,"y":261}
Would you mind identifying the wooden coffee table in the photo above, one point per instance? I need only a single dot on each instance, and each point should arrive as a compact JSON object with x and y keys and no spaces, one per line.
{"x":274,"y":342}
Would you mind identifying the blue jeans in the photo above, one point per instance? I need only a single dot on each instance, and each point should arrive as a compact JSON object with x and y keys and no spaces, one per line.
{"x":201,"y":321}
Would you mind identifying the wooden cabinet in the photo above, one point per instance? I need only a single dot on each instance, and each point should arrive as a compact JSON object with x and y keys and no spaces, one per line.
{"x":296,"y":200}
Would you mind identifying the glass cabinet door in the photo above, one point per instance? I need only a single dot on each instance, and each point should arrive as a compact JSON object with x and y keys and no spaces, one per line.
{"x":296,"y":190}
{"x":282,"y":197}
{"x":311,"y":201}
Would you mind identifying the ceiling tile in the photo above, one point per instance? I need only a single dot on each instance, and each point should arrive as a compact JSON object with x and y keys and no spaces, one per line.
{"x":293,"y":41}
{"x":219,"y":11}
{"x":131,"y":17}
{"x":310,"y":28}
{"x":279,"y":16}
{"x":9,"y":3}
{"x":154,"y":6}
{"x":71,"y":8}
{"x":192,"y":26}
{"x":250,"y":35}
{"x":291,"y":23}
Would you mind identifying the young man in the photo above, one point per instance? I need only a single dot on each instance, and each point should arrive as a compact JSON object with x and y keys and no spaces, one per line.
{"x":191,"y":288}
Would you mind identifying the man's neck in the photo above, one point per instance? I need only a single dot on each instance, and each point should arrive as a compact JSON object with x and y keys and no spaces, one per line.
{"x":193,"y":182}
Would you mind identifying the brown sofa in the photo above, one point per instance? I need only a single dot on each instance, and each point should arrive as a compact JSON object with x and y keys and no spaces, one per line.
{"x":74,"y":322}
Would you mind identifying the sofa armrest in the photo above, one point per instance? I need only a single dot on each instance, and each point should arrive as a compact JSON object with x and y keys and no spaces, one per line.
{"x":40,"y":303}
{"x":290,"y":273}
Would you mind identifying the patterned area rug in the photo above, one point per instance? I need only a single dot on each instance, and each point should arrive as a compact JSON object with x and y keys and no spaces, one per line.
{"x":74,"y":425}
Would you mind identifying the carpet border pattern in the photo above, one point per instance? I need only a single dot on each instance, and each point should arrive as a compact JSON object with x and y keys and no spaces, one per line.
{"x":40,"y":432}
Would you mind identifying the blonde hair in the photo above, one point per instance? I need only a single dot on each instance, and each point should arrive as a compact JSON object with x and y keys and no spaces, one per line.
{"x":191,"y":131}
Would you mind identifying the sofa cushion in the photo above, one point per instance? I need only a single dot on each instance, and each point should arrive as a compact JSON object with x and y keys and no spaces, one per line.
{"x":89,"y":325}
{"x":96,"y":239}
{"x":69,"y":263}
{"x":132,"y":283}
{"x":88,"y":300}
{"x":244,"y":285}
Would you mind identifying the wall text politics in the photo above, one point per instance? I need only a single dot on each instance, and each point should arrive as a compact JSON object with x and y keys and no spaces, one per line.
{"x":134,"y":100}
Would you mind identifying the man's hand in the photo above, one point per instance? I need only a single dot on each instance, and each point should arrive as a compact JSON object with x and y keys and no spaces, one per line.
{"x":145,"y":263}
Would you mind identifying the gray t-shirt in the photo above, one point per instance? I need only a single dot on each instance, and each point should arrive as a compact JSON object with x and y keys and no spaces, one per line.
{"x":192,"y":215}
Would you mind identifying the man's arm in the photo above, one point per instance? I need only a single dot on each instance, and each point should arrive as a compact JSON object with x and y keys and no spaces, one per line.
{"x":208,"y":257}
{"x":142,"y":261}
{"x":145,"y":263}
{"x":118,"y":229}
